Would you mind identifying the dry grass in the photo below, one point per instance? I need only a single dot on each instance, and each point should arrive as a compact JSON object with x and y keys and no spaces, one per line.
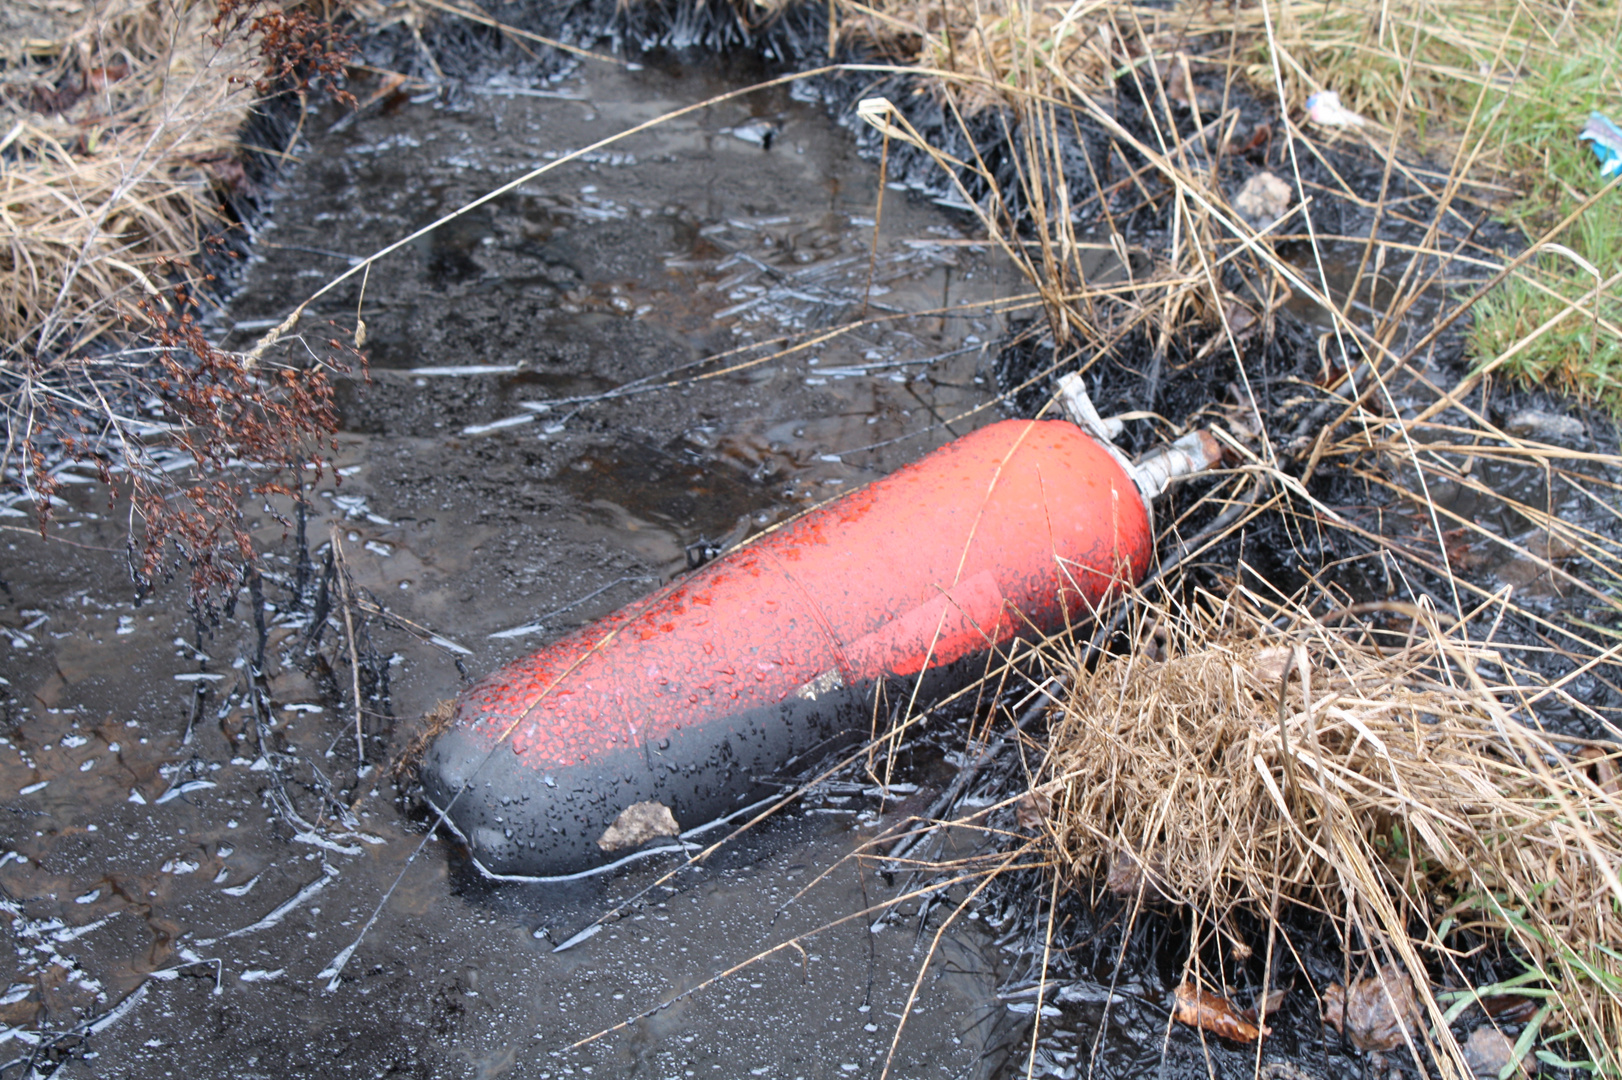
{"x":1403,"y":792}
{"x":986,"y":53}
{"x":121,"y":123}
{"x":1247,"y":754}
{"x":118,"y":128}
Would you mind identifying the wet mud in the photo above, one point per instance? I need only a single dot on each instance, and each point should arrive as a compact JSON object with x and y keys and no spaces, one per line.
{"x":198,"y":834}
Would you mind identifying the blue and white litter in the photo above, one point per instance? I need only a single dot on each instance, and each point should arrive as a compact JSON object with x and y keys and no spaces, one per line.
{"x":1606,"y":139}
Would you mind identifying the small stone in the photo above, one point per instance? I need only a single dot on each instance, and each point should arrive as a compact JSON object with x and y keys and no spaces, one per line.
{"x":1487,"y":1051}
{"x":1263,"y":199}
{"x":637,"y":824}
{"x":1536,"y":424}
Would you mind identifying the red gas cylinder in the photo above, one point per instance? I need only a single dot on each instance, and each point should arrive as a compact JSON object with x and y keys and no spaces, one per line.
{"x":691,"y":695}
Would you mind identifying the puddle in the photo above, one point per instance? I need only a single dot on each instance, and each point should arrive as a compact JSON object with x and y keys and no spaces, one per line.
{"x":190,"y":848}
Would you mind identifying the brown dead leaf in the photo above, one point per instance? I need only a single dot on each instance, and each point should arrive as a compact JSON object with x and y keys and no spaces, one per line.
{"x":1127,"y":873}
{"x":1270,"y":1004}
{"x":391,"y":82}
{"x":1031,"y":810}
{"x":637,"y":824}
{"x":100,"y":78}
{"x":1509,"y":1008}
{"x":1198,"y":1007}
{"x":1334,"y":1007}
{"x":1380,"y":1013}
{"x":1602,"y":767}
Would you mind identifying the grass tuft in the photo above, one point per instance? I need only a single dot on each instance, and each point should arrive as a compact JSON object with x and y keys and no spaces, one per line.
{"x":1532,"y":128}
{"x":117,"y":128}
{"x":1250,"y":753}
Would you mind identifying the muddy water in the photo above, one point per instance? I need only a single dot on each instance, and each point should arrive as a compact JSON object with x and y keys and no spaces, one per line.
{"x":189,"y":847}
{"x":490,"y":337}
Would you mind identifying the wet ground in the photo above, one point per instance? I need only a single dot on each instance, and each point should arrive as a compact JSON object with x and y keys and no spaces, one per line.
{"x":189,"y":848}
{"x":576,"y":392}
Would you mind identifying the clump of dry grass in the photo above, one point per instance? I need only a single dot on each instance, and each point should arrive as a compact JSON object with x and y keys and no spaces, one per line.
{"x":987,"y":52}
{"x":1249,"y":755}
{"x":117,"y":131}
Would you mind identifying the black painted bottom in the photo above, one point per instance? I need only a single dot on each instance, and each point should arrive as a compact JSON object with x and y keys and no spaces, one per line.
{"x":522,"y":820}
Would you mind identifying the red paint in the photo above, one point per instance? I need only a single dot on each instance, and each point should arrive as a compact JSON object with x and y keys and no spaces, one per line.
{"x":1017,"y":528}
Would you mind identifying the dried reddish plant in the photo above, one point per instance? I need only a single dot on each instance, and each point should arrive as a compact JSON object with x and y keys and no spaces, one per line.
{"x":299,"y":48}
{"x":249,"y":427}
{"x":182,"y":429}
{"x":218,"y":426}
